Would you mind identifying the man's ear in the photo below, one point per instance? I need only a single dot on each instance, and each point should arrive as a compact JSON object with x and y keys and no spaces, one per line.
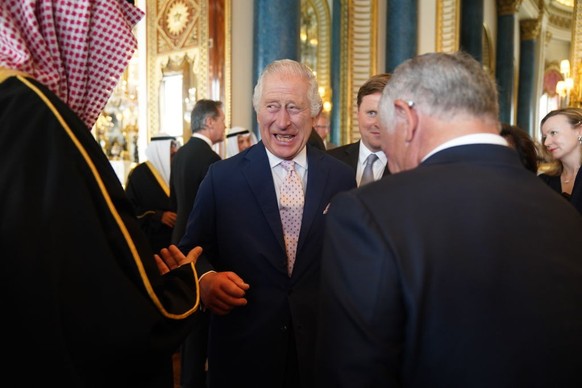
{"x":208,"y":122}
{"x":409,"y":117}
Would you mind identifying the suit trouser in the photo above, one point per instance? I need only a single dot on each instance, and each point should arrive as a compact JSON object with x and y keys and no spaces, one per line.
{"x":193,"y":353}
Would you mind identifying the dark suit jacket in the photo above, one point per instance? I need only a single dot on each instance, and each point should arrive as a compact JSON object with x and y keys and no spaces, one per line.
{"x":464,"y":272}
{"x":189,"y":166}
{"x":236,"y":220}
{"x":349,"y":154}
{"x":315,"y":140}
{"x":555,"y":183}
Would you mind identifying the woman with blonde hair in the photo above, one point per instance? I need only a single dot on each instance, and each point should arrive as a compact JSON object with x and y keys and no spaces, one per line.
{"x":562,"y":138}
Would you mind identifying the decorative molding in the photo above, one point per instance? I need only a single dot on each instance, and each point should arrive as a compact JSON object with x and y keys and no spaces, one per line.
{"x":176,"y":31}
{"x":324,"y":50}
{"x":228,"y":62}
{"x":176,"y":25}
{"x":488,"y":51}
{"x":508,"y":7}
{"x":530,"y":29}
{"x":559,"y":21}
{"x":201,"y":70}
{"x":323,"y":65}
{"x":448,"y":25}
{"x":548,"y":38}
{"x":362,"y":55}
{"x":576,"y":54}
{"x":345,"y":75}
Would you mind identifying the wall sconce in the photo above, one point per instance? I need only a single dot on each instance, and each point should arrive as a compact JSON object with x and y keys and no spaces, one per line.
{"x":565,"y":87}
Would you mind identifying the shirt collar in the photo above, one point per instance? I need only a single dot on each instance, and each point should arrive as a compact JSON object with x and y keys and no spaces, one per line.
{"x":365,"y":151}
{"x":475,"y":138}
{"x":300,"y":158}
{"x":201,"y":136}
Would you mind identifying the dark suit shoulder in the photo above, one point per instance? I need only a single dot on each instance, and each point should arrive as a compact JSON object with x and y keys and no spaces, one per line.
{"x":315,"y":140}
{"x":347,"y":149}
{"x":347,"y":153}
{"x":195,"y":149}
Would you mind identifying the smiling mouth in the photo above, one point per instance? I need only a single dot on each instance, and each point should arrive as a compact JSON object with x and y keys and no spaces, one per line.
{"x":284,"y":138}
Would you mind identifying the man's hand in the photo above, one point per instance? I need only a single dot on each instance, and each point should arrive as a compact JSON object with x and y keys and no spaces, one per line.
{"x":222,"y":291}
{"x":172,"y":257}
{"x":169,"y":219}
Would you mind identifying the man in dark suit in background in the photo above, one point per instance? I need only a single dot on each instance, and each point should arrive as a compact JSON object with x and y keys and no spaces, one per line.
{"x":189,"y":166}
{"x":356,"y":154}
{"x":460,"y":269}
{"x":191,"y":162}
{"x":263,"y":325}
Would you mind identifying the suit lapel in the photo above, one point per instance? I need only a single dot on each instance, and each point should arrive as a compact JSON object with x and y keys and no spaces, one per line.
{"x":316,"y":181}
{"x":258,"y":173}
{"x":353,"y":155}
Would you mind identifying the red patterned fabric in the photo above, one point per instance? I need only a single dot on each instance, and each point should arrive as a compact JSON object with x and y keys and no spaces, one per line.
{"x":77,"y":48}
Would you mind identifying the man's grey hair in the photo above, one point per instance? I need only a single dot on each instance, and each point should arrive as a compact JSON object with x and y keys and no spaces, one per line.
{"x":202,"y":110}
{"x":290,"y":67}
{"x":441,"y":85}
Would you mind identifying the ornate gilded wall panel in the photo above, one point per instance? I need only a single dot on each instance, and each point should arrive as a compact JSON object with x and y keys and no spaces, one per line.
{"x":316,"y":43}
{"x":576,"y":54}
{"x":359,"y":21}
{"x":177,"y":47}
{"x":228,"y":69}
{"x":508,"y":7}
{"x":176,"y":25}
{"x":448,"y":25}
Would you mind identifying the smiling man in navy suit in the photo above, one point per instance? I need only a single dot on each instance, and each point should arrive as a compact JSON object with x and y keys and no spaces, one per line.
{"x":264,"y":313}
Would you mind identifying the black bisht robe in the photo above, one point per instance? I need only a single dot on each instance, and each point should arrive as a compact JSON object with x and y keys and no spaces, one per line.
{"x":83,"y":302}
{"x":149,"y":200}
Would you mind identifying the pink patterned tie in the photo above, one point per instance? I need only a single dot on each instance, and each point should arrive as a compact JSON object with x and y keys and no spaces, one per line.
{"x":291,"y":209}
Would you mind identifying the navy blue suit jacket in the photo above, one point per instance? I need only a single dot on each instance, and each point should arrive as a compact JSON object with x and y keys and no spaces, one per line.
{"x":236,"y":220}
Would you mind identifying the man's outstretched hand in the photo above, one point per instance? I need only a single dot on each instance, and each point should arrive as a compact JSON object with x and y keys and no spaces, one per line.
{"x":171,"y":258}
